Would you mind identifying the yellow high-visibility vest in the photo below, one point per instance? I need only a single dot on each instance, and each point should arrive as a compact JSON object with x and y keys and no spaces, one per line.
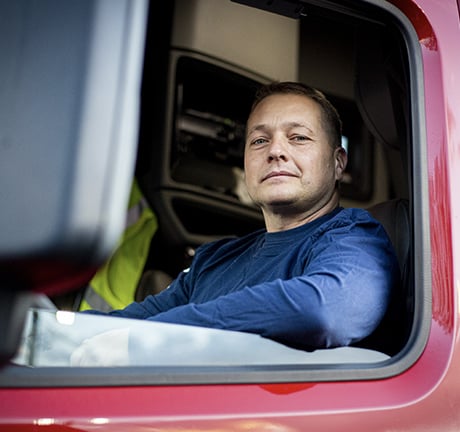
{"x":114,"y":285}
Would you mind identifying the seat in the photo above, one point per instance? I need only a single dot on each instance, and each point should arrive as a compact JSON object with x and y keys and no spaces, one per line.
{"x":394,"y":216}
{"x":381,"y":89}
{"x":394,"y":330}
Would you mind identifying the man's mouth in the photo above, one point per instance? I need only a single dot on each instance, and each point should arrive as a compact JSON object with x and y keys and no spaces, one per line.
{"x":278,"y":174}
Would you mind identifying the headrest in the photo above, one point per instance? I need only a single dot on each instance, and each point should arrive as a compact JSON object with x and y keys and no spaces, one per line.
{"x":380,"y":89}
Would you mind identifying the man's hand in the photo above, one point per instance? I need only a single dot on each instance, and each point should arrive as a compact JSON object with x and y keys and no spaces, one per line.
{"x":106,"y":349}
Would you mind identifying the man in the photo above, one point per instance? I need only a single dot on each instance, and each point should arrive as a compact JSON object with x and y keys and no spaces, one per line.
{"x":319,"y":275}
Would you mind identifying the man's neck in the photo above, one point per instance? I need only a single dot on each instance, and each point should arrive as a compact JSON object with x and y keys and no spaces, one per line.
{"x":284,"y":219}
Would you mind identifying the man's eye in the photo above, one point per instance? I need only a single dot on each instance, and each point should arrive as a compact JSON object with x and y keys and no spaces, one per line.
{"x":259,"y":141}
{"x":300,"y":138}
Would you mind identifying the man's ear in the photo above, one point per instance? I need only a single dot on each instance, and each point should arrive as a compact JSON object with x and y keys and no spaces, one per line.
{"x":341,"y":160}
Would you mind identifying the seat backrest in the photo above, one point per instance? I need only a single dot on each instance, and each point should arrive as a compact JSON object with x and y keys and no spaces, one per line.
{"x":394,"y":329}
{"x":394,"y":216}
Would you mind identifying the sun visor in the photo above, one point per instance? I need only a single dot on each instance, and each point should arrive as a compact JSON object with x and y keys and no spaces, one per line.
{"x":69,"y":113}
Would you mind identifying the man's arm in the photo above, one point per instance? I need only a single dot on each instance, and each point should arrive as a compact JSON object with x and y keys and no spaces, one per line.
{"x":173,"y":296}
{"x":340,"y":299}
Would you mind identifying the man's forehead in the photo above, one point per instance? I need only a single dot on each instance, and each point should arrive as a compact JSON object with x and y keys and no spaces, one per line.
{"x":284,"y":125}
{"x":287,"y":110}
{"x":286,"y":103}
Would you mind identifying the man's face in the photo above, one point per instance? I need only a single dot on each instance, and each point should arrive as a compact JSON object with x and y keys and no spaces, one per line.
{"x":289,"y":163}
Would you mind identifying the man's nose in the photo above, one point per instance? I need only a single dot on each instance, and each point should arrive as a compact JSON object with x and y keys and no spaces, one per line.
{"x":277,"y":150}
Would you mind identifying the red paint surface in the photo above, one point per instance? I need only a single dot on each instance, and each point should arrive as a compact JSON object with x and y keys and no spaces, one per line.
{"x":427,"y":396}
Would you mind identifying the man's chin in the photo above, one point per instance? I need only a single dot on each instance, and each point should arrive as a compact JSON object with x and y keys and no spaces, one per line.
{"x":280,"y":203}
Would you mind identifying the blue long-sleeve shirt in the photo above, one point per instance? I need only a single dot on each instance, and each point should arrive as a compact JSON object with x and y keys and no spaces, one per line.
{"x":326,"y":283}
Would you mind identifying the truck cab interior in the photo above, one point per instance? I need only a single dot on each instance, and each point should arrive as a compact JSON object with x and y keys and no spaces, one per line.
{"x":190,"y":160}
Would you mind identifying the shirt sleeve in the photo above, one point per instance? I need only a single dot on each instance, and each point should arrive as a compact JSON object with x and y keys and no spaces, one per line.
{"x":339,"y":299}
{"x":174,"y":295}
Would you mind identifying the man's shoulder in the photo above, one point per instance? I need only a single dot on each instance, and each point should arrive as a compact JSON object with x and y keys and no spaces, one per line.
{"x":352,"y":215}
{"x":352,"y":219}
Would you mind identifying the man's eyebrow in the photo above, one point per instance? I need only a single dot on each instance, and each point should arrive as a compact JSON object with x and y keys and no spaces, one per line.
{"x":294,"y":124}
{"x":257,"y":128}
{"x":262,"y":127}
{"x":285,"y":125}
